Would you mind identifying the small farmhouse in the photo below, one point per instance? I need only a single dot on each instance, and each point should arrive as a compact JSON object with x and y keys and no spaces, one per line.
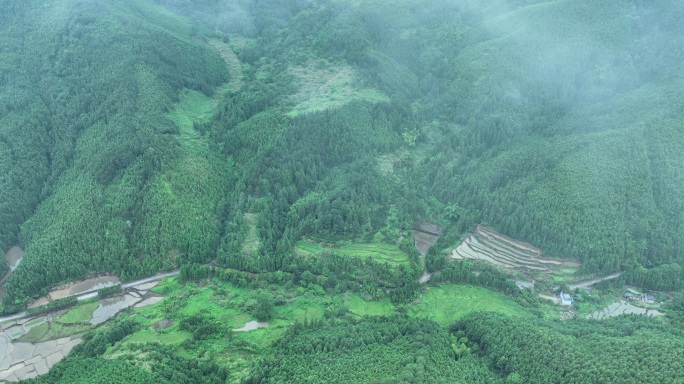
{"x":566,"y":298}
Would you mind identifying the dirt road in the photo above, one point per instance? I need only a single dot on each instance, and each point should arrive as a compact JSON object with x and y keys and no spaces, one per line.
{"x":588,"y":283}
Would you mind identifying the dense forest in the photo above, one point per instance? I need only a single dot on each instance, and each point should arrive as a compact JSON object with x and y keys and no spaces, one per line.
{"x":138,"y":136}
{"x":371,"y":351}
{"x":555,"y":123}
{"x":625,"y":350}
{"x":86,"y":146}
{"x":628,"y":349}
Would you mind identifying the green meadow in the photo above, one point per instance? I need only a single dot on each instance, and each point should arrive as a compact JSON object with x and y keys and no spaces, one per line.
{"x":446,"y":303}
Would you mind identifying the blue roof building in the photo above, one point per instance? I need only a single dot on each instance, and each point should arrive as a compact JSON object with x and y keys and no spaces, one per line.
{"x":566,"y":298}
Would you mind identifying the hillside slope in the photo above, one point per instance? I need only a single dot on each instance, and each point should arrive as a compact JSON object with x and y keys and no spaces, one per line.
{"x":124,"y":148}
{"x":87,"y":147}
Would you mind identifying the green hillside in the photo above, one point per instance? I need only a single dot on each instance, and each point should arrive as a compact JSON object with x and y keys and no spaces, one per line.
{"x":291,"y":145}
{"x":555,"y":123}
{"x":91,"y":155}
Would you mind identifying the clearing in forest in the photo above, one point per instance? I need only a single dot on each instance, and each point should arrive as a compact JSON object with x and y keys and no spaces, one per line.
{"x":425,"y":235}
{"x":193,"y":107}
{"x":251,"y":243}
{"x":323,"y":85}
{"x":14,"y":256}
{"x":487,"y":245}
{"x":232,"y":64}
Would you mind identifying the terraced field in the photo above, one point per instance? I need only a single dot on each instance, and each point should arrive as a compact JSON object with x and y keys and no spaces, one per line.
{"x":490,"y":246}
{"x":381,"y":252}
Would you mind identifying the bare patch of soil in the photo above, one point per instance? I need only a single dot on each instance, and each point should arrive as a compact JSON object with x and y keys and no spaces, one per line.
{"x":251,"y":242}
{"x":14,"y":256}
{"x":425,"y":235}
{"x":162,"y":324}
{"x":252,"y":325}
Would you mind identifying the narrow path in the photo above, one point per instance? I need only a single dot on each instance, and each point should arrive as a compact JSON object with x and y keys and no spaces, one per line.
{"x":556,"y":300}
{"x":150,"y":279}
{"x":587,"y":283}
{"x":15,"y":316}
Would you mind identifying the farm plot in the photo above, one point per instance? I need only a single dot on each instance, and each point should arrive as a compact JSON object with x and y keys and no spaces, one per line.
{"x":380,"y":252}
{"x":447,"y":303}
{"x":425,"y":235}
{"x":490,"y":246}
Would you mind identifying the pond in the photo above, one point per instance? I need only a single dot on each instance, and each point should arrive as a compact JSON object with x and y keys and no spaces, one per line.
{"x":252,"y":325}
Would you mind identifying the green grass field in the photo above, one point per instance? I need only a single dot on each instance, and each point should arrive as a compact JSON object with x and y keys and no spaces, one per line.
{"x":34,"y":322}
{"x":80,"y":314}
{"x":151,"y":336}
{"x":193,"y":106}
{"x":202,"y":301}
{"x":381,"y":252}
{"x":51,"y":331}
{"x":361,"y":307}
{"x":36,"y":334}
{"x":231,"y":307}
{"x":565,"y":275}
{"x":301,"y":308}
{"x":168,"y":285}
{"x":447,"y":303}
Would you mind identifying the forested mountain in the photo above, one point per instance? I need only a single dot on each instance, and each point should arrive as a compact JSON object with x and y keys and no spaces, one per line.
{"x":554,"y":122}
{"x":86,"y":145}
{"x":144,"y":135}
{"x":628,"y":349}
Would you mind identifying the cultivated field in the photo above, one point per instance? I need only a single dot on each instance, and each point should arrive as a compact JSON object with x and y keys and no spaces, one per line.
{"x":623,"y":307}
{"x":447,"y":303}
{"x":487,"y":245}
{"x":379,"y":252}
